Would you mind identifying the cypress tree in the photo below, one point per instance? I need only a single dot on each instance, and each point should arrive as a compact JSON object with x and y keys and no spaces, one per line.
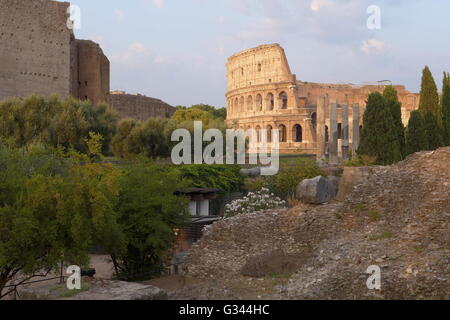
{"x":445,"y":102}
{"x":429,"y":96}
{"x":378,"y":136}
{"x":416,"y":139}
{"x":433,"y":132}
{"x":395,"y":106}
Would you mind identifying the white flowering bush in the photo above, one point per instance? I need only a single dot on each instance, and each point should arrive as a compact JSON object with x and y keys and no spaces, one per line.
{"x":254,"y":202}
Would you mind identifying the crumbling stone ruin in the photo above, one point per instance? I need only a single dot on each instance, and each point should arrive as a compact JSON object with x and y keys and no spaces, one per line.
{"x":263,"y":93}
{"x":39,"y":54}
{"x":139,"y":107}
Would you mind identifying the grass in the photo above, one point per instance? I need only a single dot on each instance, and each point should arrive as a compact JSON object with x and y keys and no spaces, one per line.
{"x":381,"y":236}
{"x":373,"y":214}
{"x":66,"y":293}
{"x":279,"y":278}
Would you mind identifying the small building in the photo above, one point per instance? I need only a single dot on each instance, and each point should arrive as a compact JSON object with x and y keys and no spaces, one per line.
{"x":203,"y":213}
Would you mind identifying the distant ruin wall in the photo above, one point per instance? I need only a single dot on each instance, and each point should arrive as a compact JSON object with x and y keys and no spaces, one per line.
{"x":92,"y":72}
{"x":140,"y":107}
{"x":35,"y":48}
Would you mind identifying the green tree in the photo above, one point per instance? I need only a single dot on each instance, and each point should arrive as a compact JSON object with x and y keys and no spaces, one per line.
{"x":148,"y":212}
{"x":429,"y":96}
{"x":55,"y":122}
{"x":445,"y":102}
{"x":395,"y":106}
{"x":379,"y":136}
{"x":433,"y":132}
{"x":53,"y":207}
{"x":416,"y":138}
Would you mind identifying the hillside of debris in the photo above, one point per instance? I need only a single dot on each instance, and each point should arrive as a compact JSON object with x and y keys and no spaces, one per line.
{"x":397,"y":219}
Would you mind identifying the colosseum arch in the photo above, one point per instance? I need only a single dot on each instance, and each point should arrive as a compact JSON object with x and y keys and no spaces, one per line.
{"x":283,"y":97}
{"x":269,"y":133}
{"x":250,"y":103}
{"x":241,"y":104}
{"x":314,"y":120}
{"x":297,"y":133}
{"x":259,"y":102}
{"x":270,"y":101}
{"x":283,"y":133}
{"x":258,"y":134}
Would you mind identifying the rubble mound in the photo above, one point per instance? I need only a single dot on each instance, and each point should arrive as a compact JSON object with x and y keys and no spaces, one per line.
{"x":397,"y":219}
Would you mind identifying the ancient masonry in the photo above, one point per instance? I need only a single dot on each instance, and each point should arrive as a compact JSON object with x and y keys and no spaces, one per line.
{"x":40,"y":55}
{"x":139,"y":107}
{"x":263,"y":93}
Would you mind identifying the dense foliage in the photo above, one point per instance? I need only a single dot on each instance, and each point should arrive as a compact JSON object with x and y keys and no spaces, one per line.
{"x":52,"y":208}
{"x":153,"y":137}
{"x":395,"y":106}
{"x":285,"y":183}
{"x":226,"y":178}
{"x":379,"y":136}
{"x":55,"y":205}
{"x":416,"y":139}
{"x":445,"y":102}
{"x":148,"y":212}
{"x":429,"y":96}
{"x":55,"y":122}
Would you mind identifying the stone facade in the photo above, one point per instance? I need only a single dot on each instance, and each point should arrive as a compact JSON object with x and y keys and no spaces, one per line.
{"x":263,"y":93}
{"x":40,"y":55}
{"x":91,"y":77}
{"x":35,"y":48}
{"x":139,"y":107}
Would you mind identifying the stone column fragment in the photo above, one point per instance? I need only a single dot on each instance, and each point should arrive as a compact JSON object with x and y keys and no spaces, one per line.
{"x":333,"y":144}
{"x":321,"y":114}
{"x":345,"y":132}
{"x":356,"y":133}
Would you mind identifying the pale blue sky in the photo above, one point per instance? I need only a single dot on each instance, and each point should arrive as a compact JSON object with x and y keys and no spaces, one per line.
{"x":176,"y":50}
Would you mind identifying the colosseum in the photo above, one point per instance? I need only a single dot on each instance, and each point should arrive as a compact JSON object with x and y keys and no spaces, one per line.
{"x":263,"y":93}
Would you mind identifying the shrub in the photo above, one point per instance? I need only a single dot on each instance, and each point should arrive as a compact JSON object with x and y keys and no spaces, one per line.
{"x":254,"y":202}
{"x":361,"y":161}
{"x":286,"y":182}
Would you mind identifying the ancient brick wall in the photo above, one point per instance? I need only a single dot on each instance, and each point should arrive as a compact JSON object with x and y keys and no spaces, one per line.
{"x":35,"y":48}
{"x":92,"y":72}
{"x":140,"y":107}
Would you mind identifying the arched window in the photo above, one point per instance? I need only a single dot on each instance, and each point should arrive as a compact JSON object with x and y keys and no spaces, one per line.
{"x":314,"y":120}
{"x":269,"y":134}
{"x":340,"y":133}
{"x":236,"y":106}
{"x":241,"y":104}
{"x":270,"y":101}
{"x":250,"y":103}
{"x":297,"y":133}
{"x":258,"y":133}
{"x":283,"y":100}
{"x":327,"y":134}
{"x":259,"y":102}
{"x":283,"y":133}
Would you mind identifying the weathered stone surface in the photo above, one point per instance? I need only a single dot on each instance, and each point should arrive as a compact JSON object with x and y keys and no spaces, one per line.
{"x":139,"y":107}
{"x":352,"y":177}
{"x":408,"y":203}
{"x":253,"y":172}
{"x":316,"y":191}
{"x":97,"y":290}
